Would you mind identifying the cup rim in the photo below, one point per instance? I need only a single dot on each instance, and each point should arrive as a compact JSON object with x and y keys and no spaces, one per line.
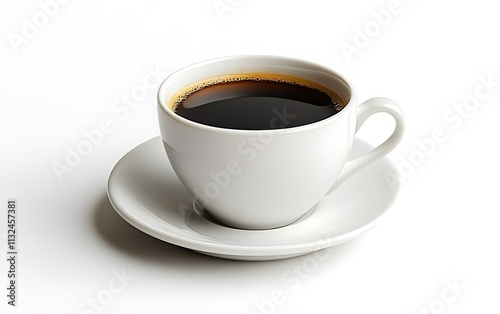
{"x":170,"y":113}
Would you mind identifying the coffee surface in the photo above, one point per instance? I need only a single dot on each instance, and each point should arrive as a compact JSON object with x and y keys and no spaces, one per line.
{"x":257,"y":104}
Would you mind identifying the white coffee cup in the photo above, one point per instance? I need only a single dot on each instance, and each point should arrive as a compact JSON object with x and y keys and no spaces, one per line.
{"x":261,"y":179}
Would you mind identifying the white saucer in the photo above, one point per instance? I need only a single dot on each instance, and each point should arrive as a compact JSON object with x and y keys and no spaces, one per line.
{"x":145,"y":191}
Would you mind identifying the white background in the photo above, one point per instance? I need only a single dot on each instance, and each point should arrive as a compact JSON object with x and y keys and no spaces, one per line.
{"x":67,"y":75}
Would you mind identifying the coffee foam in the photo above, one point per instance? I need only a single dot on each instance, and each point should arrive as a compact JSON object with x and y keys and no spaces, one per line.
{"x":181,"y":95}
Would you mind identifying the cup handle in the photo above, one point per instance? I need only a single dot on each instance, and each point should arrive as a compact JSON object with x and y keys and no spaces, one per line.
{"x":365,"y":110}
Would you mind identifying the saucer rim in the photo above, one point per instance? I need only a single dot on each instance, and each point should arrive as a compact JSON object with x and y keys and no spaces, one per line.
{"x":232,"y":251}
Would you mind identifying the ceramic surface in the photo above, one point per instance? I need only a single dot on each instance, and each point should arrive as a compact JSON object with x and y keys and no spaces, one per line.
{"x":145,"y":191}
{"x":265,"y":179}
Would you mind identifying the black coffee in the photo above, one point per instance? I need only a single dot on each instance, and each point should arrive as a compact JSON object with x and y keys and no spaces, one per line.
{"x":256,"y":103}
